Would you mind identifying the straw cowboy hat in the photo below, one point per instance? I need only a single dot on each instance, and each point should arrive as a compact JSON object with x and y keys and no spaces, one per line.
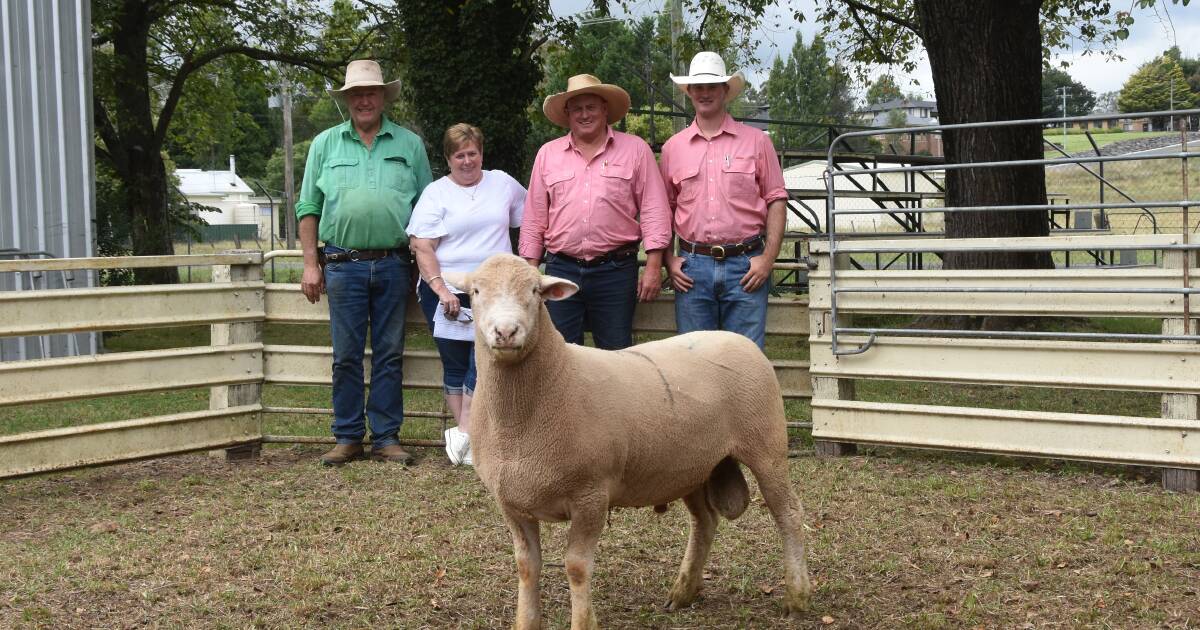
{"x":366,"y":73}
{"x":555,"y":105}
{"x":708,"y":67}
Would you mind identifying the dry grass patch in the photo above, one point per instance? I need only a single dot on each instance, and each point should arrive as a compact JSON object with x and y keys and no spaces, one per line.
{"x":897,"y":540}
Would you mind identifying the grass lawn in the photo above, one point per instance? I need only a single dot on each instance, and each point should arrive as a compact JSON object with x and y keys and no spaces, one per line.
{"x":896,"y":540}
{"x":1078,"y":142}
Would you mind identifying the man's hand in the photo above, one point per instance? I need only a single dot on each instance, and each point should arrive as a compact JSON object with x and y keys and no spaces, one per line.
{"x":681,"y":281}
{"x":650,"y":286}
{"x":759,"y":274}
{"x":312,"y":283}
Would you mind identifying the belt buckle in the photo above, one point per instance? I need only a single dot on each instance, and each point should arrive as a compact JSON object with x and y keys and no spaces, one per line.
{"x":352,"y":255}
{"x":717,"y":252}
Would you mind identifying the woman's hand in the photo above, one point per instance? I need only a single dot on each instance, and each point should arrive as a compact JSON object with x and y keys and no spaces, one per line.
{"x":448,"y":300}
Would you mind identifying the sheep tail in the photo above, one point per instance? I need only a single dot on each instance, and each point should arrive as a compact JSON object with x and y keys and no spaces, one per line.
{"x":726,"y":489}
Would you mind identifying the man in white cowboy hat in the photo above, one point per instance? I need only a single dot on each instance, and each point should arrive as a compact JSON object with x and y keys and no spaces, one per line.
{"x":728,"y":201}
{"x":361,"y":181}
{"x":594,"y":195}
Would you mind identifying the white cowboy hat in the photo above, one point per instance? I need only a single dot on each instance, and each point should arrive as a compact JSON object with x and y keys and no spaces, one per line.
{"x":708,"y":67}
{"x":555,"y":105}
{"x":366,"y":73}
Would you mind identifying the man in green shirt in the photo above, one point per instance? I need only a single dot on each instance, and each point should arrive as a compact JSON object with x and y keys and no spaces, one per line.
{"x":361,"y":181}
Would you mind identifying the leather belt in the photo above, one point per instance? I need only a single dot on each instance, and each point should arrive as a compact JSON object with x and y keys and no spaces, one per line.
{"x":620,"y":253}
{"x":364,"y":254}
{"x":721,"y":252}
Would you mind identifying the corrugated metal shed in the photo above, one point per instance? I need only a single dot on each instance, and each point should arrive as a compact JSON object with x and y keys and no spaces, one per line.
{"x":47,"y":176}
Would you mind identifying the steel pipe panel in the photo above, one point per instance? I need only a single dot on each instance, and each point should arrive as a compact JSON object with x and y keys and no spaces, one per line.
{"x":1036,"y":243}
{"x":129,"y":373}
{"x":1154,"y":367}
{"x":1099,"y":438}
{"x":126,"y":440}
{"x":785,"y":316}
{"x":311,"y":365}
{"x":1062,"y":304}
{"x":131,"y":262}
{"x":124,"y":308}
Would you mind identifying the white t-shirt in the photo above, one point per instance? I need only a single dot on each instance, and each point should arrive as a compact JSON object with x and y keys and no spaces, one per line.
{"x":472,"y":222}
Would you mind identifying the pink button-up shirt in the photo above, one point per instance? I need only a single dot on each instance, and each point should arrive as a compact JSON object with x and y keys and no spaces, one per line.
{"x":585,"y":209}
{"x":720,"y":188}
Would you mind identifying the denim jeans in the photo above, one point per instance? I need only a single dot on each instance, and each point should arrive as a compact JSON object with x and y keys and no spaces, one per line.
{"x":458,"y":357}
{"x":717,"y":300}
{"x":362,"y":292}
{"x":604,"y":303}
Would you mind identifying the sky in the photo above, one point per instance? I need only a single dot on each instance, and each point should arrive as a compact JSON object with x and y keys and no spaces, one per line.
{"x":1153,"y":31}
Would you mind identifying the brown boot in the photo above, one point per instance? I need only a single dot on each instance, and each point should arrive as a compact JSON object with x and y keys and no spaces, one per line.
{"x":342,"y":454}
{"x":391,"y":453}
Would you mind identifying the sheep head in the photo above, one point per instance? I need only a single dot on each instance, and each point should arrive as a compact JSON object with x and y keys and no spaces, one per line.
{"x":506,"y":298}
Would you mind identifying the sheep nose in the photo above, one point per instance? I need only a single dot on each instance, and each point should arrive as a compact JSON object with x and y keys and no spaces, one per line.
{"x":505,"y":334}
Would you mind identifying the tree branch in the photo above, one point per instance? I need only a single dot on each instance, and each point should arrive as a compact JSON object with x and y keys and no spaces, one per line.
{"x":871,"y":38}
{"x":108,"y":135}
{"x":191,"y":65}
{"x":882,"y":15}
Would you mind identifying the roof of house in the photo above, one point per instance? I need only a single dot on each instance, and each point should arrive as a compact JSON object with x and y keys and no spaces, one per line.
{"x":899,"y":103}
{"x":193,"y":181}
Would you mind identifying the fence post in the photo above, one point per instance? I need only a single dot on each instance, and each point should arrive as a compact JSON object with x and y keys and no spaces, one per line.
{"x":1180,"y":406}
{"x":227,"y":396}
{"x":820,"y":322}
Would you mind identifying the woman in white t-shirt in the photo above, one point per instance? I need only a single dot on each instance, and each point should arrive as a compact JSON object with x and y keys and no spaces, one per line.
{"x":459,"y":221}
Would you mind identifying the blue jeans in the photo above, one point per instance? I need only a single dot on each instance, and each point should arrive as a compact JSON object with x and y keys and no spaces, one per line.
{"x":605,"y":301}
{"x":458,"y":357}
{"x":717,"y":300}
{"x":374,"y":291}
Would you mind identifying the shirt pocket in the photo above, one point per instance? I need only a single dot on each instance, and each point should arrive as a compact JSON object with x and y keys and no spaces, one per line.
{"x":740,"y":180}
{"x":343,"y":172}
{"x":398,"y":174}
{"x":618,"y":184}
{"x":558,"y":185}
{"x":687,"y":181}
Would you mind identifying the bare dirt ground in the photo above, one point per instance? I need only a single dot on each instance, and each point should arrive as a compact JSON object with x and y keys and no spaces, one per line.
{"x":897,"y":539}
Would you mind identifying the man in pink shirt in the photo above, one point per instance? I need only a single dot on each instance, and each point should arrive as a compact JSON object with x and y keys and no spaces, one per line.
{"x":594,"y":195}
{"x":729,"y":202}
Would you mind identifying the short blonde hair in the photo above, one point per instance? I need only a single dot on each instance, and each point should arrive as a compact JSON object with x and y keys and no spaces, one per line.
{"x":457,"y":136}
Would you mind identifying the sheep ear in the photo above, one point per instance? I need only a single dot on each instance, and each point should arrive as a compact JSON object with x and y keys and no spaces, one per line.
{"x":557,"y":288}
{"x":458,"y":280}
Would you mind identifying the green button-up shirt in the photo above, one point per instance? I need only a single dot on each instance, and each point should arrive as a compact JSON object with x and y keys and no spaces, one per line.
{"x":364,"y":196}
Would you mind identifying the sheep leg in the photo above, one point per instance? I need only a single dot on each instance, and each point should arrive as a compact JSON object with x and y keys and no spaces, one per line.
{"x":789,"y":517}
{"x":586,"y":525}
{"x":691,"y":571}
{"x":527,"y":547}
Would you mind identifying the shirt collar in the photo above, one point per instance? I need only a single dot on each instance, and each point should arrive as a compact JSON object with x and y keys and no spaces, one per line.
{"x":386,"y":128}
{"x":608,"y":138}
{"x":728,"y":125}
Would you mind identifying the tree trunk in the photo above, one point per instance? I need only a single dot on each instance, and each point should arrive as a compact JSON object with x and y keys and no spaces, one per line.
{"x":141,"y":167}
{"x":150,"y":223}
{"x":986,"y":58}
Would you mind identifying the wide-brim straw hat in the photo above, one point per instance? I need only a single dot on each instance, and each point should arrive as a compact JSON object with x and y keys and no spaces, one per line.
{"x":708,"y":67}
{"x":366,"y":73}
{"x":555,"y":105}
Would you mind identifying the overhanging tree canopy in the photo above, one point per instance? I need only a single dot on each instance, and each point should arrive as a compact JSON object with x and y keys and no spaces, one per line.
{"x":144,"y":53}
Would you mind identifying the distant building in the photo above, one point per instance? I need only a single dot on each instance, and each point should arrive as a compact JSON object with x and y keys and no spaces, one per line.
{"x":238,"y":211}
{"x":916,"y":112}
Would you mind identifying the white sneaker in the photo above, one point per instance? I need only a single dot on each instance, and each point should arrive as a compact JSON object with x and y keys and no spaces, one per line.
{"x":467,"y":460}
{"x":458,"y":445}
